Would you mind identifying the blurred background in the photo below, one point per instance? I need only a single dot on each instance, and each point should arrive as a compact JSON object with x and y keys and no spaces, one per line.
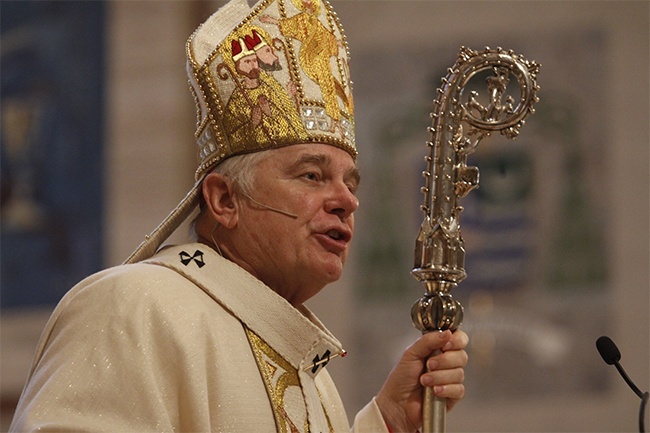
{"x":97,"y":147}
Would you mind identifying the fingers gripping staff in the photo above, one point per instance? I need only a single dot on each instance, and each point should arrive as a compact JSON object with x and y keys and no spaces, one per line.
{"x":462,"y":118}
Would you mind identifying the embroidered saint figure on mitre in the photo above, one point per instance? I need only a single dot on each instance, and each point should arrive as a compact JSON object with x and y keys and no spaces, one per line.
{"x":260,"y":110}
{"x":318,"y":46}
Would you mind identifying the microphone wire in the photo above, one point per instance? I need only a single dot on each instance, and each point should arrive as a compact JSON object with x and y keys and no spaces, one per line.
{"x":644,"y":402}
{"x":627,"y":379}
{"x":643,"y":395}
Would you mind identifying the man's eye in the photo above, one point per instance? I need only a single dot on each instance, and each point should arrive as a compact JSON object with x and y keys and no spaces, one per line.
{"x":311,"y":176}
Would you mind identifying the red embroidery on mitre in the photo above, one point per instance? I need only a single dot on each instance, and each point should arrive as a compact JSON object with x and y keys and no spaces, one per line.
{"x":254,"y":41}
{"x":235,"y":47}
{"x":240,"y":49}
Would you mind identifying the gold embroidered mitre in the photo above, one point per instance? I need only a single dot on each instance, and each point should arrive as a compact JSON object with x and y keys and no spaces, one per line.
{"x":270,"y":76}
{"x":263,"y":77}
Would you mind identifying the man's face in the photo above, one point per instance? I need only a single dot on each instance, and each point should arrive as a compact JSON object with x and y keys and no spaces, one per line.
{"x":267,"y":59}
{"x":248,"y":66}
{"x":309,"y":6}
{"x":297,"y":257}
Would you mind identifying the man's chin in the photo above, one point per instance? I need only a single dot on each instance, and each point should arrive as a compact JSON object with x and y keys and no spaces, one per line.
{"x":333,"y":269}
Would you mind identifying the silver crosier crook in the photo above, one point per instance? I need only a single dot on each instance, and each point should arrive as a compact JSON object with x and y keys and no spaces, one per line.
{"x":459,"y":122}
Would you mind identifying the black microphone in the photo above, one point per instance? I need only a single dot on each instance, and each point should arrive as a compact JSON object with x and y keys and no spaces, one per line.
{"x":611,"y":355}
{"x":608,"y":350}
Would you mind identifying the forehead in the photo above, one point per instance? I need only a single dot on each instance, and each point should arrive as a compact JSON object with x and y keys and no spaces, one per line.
{"x":320,"y":154}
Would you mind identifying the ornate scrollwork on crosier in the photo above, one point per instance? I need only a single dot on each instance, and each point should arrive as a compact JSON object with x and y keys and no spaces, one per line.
{"x":459,"y":122}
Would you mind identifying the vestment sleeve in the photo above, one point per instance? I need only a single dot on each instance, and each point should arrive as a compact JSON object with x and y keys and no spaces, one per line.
{"x":369,"y":420}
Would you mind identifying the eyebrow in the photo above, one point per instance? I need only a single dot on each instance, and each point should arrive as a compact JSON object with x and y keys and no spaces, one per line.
{"x":319,"y":158}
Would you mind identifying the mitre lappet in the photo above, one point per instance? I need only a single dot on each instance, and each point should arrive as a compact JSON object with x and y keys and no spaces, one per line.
{"x":263,"y":77}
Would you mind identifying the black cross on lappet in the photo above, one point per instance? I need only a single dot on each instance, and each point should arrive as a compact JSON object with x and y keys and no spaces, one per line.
{"x":320,"y":362}
{"x":197,"y":257}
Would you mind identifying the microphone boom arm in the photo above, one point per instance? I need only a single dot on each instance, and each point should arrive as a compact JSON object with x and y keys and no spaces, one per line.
{"x":611,"y":355}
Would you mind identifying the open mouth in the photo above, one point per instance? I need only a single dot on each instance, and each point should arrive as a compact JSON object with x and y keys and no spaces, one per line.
{"x":335,"y":234}
{"x":335,"y":240}
{"x":339,"y":235}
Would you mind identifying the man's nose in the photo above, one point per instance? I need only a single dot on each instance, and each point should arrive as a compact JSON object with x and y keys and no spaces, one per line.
{"x":342,"y":201}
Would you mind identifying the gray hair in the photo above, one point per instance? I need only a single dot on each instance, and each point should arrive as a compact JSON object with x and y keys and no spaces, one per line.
{"x":240,"y":169}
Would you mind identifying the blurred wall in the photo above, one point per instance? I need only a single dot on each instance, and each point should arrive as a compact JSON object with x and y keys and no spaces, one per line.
{"x":151,"y":118}
{"x":150,"y":164}
{"x":379,"y":33}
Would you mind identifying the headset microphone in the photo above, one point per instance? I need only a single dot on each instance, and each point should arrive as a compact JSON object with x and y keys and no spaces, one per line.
{"x":266,"y":206}
{"x":611,"y":355}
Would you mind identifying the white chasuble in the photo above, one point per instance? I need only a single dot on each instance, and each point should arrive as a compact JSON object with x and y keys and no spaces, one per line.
{"x":186,"y":341}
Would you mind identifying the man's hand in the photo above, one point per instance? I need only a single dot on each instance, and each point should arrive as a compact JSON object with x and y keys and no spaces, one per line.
{"x":400,"y":399}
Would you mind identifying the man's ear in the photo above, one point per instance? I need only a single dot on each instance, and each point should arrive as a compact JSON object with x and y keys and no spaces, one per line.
{"x":218,"y":193}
